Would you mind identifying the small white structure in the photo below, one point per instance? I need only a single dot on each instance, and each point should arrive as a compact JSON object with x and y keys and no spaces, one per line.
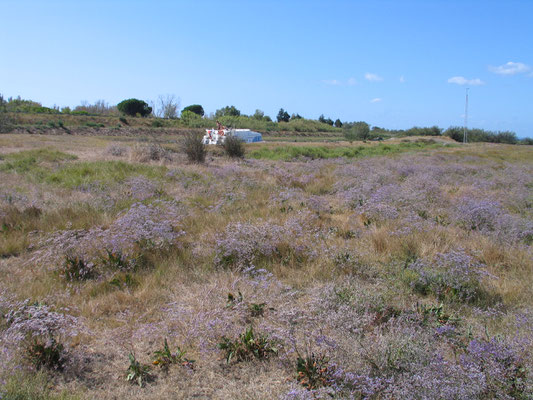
{"x":218,"y":136}
{"x":215,"y":136}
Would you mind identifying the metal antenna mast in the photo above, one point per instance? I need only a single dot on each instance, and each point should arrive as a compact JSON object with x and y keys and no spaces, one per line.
{"x":466,"y":117}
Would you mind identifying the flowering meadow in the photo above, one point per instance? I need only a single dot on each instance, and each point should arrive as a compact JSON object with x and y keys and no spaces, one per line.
{"x":127,"y":272}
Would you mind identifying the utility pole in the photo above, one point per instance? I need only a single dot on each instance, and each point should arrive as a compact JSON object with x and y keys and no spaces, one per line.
{"x":466,"y":117}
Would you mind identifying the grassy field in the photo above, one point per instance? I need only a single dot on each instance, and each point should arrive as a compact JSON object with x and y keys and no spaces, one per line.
{"x":312,"y":270}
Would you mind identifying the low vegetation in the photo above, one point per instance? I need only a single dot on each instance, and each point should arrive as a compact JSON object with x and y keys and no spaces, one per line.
{"x":299,"y":271}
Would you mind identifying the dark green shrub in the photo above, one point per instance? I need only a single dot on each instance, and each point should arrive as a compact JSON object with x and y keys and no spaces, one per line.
{"x":193,"y":147}
{"x":133,"y":107}
{"x":481,"y":135}
{"x":46,"y":354}
{"x":156,"y":123}
{"x":234,"y":147}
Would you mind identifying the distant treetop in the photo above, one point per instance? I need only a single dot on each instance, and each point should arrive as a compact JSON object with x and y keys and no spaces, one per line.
{"x":195,"y":108}
{"x":133,"y":107}
{"x":228,"y":111}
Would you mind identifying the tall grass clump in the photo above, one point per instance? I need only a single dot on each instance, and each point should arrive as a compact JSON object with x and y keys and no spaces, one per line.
{"x":234,"y":147}
{"x":151,"y":152}
{"x":193,"y":147}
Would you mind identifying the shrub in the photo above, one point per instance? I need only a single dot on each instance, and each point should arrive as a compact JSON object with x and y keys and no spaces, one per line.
{"x":356,"y":131}
{"x":94,"y":125}
{"x":247,"y":347}
{"x":116,"y":150}
{"x":453,"y":276}
{"x":133,"y":107}
{"x":244,"y":245}
{"x":234,"y":147}
{"x":46,"y":354}
{"x":193,"y":147}
{"x":481,"y":135}
{"x":151,"y":152}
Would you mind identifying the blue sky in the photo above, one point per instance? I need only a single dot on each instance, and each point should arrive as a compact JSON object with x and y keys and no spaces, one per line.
{"x":394,"y":64}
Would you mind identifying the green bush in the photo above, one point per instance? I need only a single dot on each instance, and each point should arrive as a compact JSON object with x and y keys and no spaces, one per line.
{"x":133,"y":107}
{"x":156,"y":123}
{"x":481,"y":135}
{"x":356,"y":131}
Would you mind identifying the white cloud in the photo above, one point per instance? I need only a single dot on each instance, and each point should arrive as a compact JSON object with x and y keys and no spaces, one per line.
{"x":461,"y":80}
{"x":352,"y":81}
{"x":376,"y":100}
{"x":333,"y":82}
{"x":373,"y":77}
{"x":510,"y":68}
{"x":402,"y":79}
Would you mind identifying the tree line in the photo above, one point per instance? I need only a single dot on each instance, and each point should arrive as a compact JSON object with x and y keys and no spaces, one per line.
{"x":194,"y":116}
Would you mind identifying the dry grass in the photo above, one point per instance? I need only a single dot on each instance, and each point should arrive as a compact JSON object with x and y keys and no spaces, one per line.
{"x":183,"y":296}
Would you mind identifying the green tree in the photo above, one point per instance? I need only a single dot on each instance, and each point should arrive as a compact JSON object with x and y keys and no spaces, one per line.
{"x":296,"y":116}
{"x":338,"y":123}
{"x":5,"y":121}
{"x":258,"y":115}
{"x":133,"y":107}
{"x":325,"y":120}
{"x":195,"y":108}
{"x":356,"y":131}
{"x":228,"y":111}
{"x":283,"y":116}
